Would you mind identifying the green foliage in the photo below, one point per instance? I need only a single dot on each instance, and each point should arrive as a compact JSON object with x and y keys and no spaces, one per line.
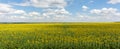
{"x":60,"y":36}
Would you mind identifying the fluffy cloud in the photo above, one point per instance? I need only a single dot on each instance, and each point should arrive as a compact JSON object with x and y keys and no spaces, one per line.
{"x":8,"y":9}
{"x":56,"y":13}
{"x":114,"y":1}
{"x":84,"y":8}
{"x":8,"y":13}
{"x":34,"y":14}
{"x":19,"y":12}
{"x":44,"y":3}
{"x":104,"y":14}
{"x":105,"y":11}
{"x":48,"y":3}
{"x":5,"y":8}
{"x":52,"y":9}
{"x":31,"y":16}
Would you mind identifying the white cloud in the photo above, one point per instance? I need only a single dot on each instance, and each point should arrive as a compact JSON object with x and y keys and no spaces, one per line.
{"x":22,"y":4}
{"x":34,"y":14}
{"x":8,"y":13}
{"x":17,"y":17}
{"x":52,"y":9}
{"x":56,"y":14}
{"x":48,"y":3}
{"x":8,"y":9}
{"x":104,"y":14}
{"x":19,"y":12}
{"x":31,"y":16}
{"x":114,"y":1}
{"x":44,"y":3}
{"x":5,"y":8}
{"x":95,"y":11}
{"x":105,"y":11}
{"x":84,"y":8}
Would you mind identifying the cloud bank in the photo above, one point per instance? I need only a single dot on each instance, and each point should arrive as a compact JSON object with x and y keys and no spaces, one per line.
{"x":55,"y":10}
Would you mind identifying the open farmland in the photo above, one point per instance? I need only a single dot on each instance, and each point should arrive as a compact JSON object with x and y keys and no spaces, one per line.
{"x":60,"y":36}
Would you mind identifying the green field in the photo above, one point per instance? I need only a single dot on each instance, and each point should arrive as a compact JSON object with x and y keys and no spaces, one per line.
{"x":60,"y":36}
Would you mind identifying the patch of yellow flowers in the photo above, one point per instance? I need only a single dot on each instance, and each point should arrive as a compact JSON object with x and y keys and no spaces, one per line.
{"x":60,"y":36}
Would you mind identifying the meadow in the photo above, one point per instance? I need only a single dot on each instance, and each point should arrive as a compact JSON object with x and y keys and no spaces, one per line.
{"x":60,"y":36}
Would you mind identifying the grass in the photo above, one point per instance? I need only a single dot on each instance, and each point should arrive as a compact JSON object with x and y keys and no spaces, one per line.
{"x":60,"y":36}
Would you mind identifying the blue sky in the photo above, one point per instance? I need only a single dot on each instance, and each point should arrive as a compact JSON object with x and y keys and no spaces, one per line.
{"x":59,"y":10}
